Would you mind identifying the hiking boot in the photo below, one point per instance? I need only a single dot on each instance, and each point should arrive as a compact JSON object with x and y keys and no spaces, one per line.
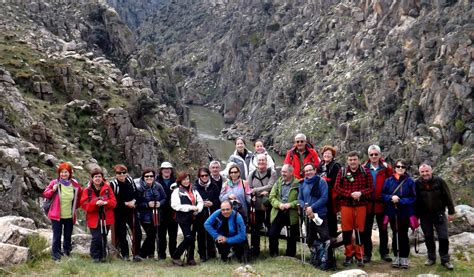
{"x":404,"y":263}
{"x":386,"y":258}
{"x":396,"y":262}
{"x":448,"y":265}
{"x":177,"y":262}
{"x":138,"y":259}
{"x":191,"y":262}
{"x":347,"y":261}
{"x":202,"y":259}
{"x":367,"y":259}
{"x":96,"y":261}
{"x":430,"y":262}
{"x":360,"y":263}
{"x":125,"y":258}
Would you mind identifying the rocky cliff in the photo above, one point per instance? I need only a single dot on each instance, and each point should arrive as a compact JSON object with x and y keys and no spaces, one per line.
{"x":67,"y":97}
{"x":348,"y":73}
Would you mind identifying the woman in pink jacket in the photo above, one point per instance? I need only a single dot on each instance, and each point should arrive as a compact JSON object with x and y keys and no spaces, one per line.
{"x":65,"y":193}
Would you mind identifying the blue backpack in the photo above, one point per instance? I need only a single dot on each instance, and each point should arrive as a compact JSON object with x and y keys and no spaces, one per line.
{"x":320,"y":255}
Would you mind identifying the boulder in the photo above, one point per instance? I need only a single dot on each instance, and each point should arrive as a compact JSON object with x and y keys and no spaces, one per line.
{"x":245,"y":271}
{"x":81,"y":243}
{"x":15,"y":230}
{"x":351,"y":273}
{"x":463,"y":241}
{"x":465,"y":211}
{"x":12,"y":254}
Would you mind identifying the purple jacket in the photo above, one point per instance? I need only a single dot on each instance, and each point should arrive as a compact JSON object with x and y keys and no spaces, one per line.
{"x":54,"y":212}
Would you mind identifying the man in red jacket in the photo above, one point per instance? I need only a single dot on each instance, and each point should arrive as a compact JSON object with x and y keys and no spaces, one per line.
{"x":353,"y":187}
{"x":380,"y":171}
{"x":300,"y":154}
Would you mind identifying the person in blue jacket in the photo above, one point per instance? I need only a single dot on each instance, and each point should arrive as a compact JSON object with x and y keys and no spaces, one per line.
{"x":151,"y":197}
{"x":399,"y":194}
{"x":313,"y":196}
{"x":227,"y":228}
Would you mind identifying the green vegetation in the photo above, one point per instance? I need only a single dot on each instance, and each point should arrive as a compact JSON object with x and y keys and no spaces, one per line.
{"x":37,"y":246}
{"x":459,"y":126}
{"x":281,"y":266}
{"x":299,"y":78}
{"x":456,"y":148}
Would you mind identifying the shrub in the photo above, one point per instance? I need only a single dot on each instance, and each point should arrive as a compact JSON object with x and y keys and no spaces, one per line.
{"x":36,"y":245}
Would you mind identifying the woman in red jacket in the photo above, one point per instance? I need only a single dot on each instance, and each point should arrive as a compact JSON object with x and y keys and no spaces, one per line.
{"x":65,"y":193}
{"x":98,"y":200}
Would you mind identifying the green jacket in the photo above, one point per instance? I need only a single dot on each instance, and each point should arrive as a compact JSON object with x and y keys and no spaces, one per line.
{"x":275,"y":200}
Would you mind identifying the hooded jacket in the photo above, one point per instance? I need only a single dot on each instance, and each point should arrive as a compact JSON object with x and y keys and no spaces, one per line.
{"x":89,"y":204}
{"x":54,"y":212}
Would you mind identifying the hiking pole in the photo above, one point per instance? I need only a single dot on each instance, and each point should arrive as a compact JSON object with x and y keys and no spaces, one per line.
{"x":156,"y":223}
{"x":103,"y":230}
{"x":134,"y":239}
{"x":396,"y":234}
{"x":265,"y":229}
{"x":300,"y":225}
{"x":205,"y":236}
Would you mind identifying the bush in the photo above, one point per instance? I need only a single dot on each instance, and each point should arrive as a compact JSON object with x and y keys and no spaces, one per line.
{"x":456,"y":148}
{"x":36,"y":245}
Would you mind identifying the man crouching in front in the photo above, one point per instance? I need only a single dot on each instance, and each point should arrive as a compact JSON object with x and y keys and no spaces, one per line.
{"x":227,"y":228}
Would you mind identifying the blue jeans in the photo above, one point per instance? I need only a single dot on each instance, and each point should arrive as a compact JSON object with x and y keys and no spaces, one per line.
{"x":58,"y":227}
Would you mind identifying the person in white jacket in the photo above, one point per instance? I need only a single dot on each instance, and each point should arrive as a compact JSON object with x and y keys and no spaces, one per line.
{"x":187,"y":202}
{"x":260,"y":149}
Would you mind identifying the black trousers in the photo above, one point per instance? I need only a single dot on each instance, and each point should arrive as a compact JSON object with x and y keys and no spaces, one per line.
{"x":282,"y":220}
{"x":224,"y":250}
{"x":188,"y":242}
{"x":121,"y":222}
{"x":98,"y":249}
{"x":168,"y":226}
{"x":58,"y":227}
{"x":440,"y":223}
{"x":205,"y":242}
{"x":314,"y":232}
{"x":400,"y":231}
{"x":383,"y":233}
{"x":147,"y":250}
{"x":261,"y":217}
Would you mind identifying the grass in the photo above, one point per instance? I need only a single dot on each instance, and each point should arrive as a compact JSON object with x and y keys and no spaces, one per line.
{"x":266,"y":266}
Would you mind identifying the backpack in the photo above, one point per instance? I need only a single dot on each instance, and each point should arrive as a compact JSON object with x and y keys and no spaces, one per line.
{"x":115,"y":187}
{"x":47,"y":202}
{"x":320,"y":255}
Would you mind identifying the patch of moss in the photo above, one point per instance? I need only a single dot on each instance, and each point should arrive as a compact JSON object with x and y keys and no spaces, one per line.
{"x":456,"y":148}
{"x":459,"y":125}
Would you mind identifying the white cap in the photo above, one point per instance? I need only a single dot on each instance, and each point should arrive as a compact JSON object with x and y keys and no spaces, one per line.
{"x":300,"y":136}
{"x":166,"y":165}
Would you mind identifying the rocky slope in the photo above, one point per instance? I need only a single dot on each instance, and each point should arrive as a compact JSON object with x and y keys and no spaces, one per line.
{"x":66,"y":97}
{"x":348,"y":73}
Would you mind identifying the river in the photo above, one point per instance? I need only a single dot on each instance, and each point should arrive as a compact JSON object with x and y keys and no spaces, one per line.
{"x":209,"y":125}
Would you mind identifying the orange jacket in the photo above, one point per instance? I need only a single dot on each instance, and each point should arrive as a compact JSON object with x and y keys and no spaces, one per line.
{"x":376,"y":204}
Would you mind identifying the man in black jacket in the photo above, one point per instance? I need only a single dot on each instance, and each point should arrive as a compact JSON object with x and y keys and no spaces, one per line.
{"x":432,"y":198}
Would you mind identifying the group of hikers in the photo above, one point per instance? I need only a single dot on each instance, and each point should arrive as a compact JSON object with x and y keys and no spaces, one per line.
{"x":222,"y":207}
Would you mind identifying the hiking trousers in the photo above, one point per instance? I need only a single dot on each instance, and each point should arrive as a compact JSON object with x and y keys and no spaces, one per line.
{"x":440,"y":223}
{"x":282,"y":220}
{"x":383,"y":234}
{"x":353,"y":219}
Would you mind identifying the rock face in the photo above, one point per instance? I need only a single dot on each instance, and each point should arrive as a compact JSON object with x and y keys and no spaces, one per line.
{"x":66,"y":96}
{"x":346,"y":73}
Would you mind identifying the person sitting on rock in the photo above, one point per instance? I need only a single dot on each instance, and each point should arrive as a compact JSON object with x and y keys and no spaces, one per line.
{"x":353,"y":187}
{"x":66,"y":194}
{"x":380,"y":172}
{"x":98,"y":200}
{"x":300,"y":154}
{"x":284,"y":201}
{"x":399,"y":193}
{"x":227,"y":228}
{"x":260,"y":149}
{"x":432,"y":198}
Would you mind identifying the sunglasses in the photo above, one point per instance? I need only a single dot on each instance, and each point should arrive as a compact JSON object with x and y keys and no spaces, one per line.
{"x":374,"y":155}
{"x":234,"y":172}
{"x":204,"y":175}
{"x":400,"y":166}
{"x":300,"y":141}
{"x":149,"y":176}
{"x":121,"y":173}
